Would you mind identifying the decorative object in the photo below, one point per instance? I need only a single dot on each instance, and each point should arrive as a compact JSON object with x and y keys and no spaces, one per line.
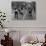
{"x":44,"y":44}
{"x":24,"y":10}
{"x":2,"y":18}
{"x":8,"y":41}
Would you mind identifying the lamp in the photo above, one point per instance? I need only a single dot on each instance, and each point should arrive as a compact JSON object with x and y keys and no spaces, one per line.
{"x":7,"y":31}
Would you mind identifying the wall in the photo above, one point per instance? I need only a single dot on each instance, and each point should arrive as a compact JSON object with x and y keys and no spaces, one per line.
{"x":5,"y":5}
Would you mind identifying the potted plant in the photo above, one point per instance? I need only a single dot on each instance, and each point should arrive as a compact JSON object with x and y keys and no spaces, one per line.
{"x":2,"y":18}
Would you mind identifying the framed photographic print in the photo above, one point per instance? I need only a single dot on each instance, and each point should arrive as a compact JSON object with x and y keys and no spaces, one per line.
{"x":23,"y":10}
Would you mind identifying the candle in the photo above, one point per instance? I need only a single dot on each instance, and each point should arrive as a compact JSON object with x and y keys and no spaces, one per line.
{"x":6,"y":30}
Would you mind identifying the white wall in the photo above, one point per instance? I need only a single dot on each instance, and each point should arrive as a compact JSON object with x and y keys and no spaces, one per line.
{"x":40,"y":14}
{"x":5,"y":5}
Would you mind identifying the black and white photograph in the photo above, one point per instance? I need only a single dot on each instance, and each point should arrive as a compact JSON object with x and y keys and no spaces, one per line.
{"x":23,"y":10}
